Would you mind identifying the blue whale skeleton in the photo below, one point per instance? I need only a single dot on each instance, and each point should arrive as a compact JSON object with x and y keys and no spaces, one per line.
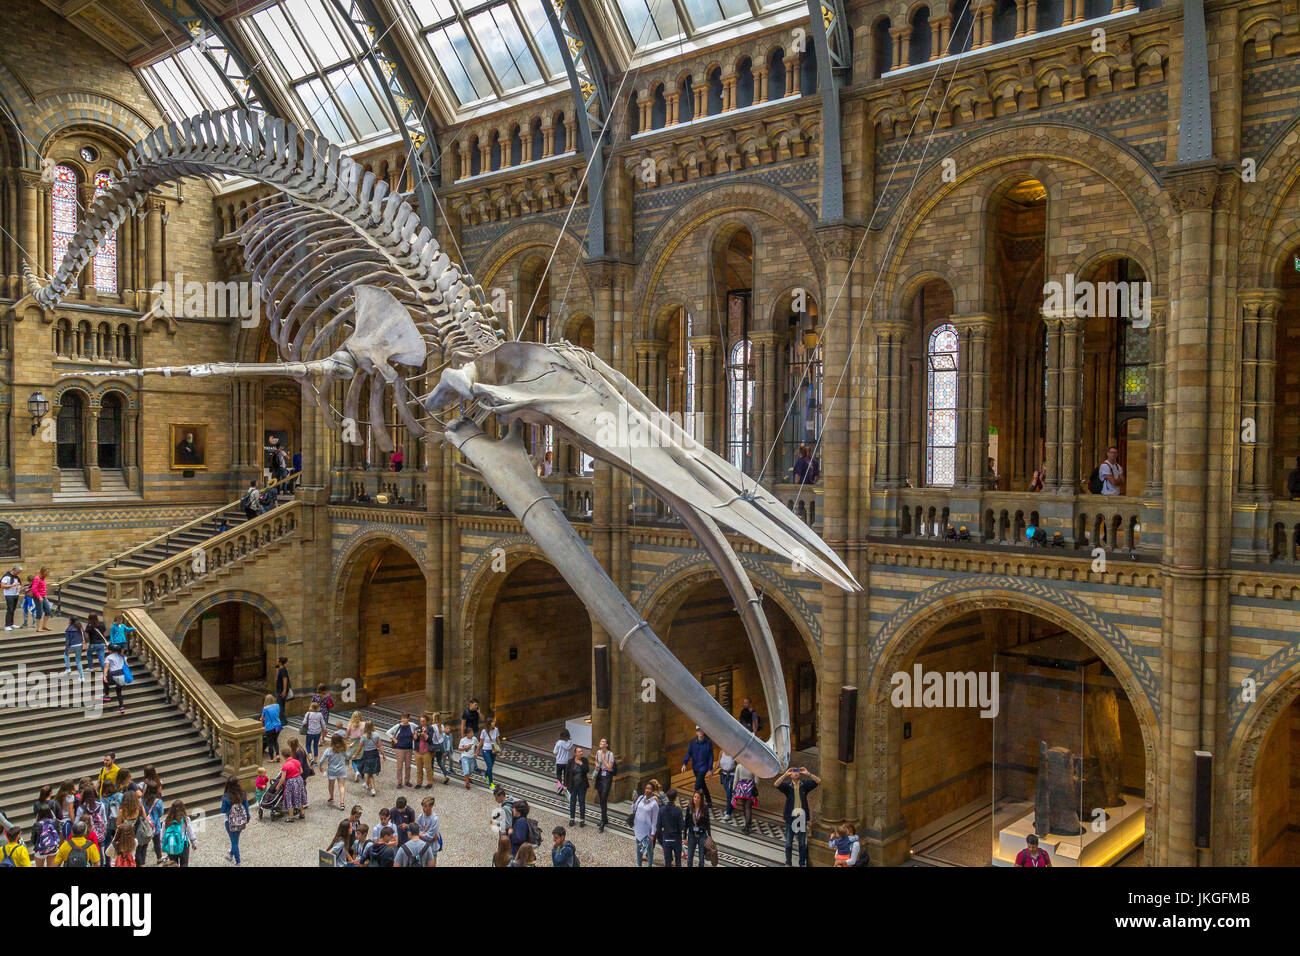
{"x":357,"y":290}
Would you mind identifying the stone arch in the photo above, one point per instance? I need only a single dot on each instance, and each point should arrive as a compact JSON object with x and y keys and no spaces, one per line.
{"x":280,"y":628}
{"x":1096,"y":254}
{"x":367,"y":542}
{"x":723,"y":202}
{"x":1132,"y":175}
{"x":783,"y":297}
{"x":1263,"y":239}
{"x":58,"y":110}
{"x":1249,"y":728}
{"x":914,"y":622}
{"x":516,"y":241}
{"x":922,"y":273}
{"x":664,"y":593}
{"x":480,"y":587}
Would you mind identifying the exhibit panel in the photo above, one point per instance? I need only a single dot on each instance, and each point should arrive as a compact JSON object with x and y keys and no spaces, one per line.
{"x":1067,"y":757}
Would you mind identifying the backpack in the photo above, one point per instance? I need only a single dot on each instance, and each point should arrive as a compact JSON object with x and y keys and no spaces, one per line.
{"x":173,"y":839}
{"x":8,"y":859}
{"x":863,"y":858}
{"x":534,"y":832}
{"x":78,"y":855}
{"x":98,"y":821}
{"x":237,"y":818}
{"x":574,"y":855}
{"x":413,"y":857}
{"x":47,"y":839}
{"x":253,"y":500}
{"x":1094,"y":481}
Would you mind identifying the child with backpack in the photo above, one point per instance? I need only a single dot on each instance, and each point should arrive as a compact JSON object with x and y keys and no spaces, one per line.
{"x":78,"y":850}
{"x":336,"y":768}
{"x":91,"y":812}
{"x":313,"y":726}
{"x":234,"y":806}
{"x":14,"y":852}
{"x":177,"y":836}
{"x":45,"y":836}
{"x":153,"y":805}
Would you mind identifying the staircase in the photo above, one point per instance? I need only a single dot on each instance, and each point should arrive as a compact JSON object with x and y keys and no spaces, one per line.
{"x":86,"y":591}
{"x":73,"y":488}
{"x":51,"y":744}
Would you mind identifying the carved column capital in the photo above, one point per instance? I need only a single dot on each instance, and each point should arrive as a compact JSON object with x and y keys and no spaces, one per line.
{"x":1194,"y":188}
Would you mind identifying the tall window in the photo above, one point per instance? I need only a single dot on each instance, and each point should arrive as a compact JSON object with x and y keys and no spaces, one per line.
{"x":63,"y":208}
{"x":740,"y":403}
{"x":804,"y":383}
{"x":688,"y":386}
{"x":941,"y":406}
{"x":1134,"y":358}
{"x":106,"y":257}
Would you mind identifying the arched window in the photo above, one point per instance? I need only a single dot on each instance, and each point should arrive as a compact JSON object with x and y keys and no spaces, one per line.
{"x":561,"y":135}
{"x":884,"y":44}
{"x":63,"y":209}
{"x":713,"y":99}
{"x":686,"y":101}
{"x":740,"y":402}
{"x":745,"y":83}
{"x":776,"y":75}
{"x":658,"y":109}
{"x":109,"y":437}
{"x":941,"y":406}
{"x":918,"y":46}
{"x":804,"y":382}
{"x":106,"y":257}
{"x":68,"y":431}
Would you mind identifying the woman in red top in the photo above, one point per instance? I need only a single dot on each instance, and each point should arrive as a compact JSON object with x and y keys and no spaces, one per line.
{"x":295,"y":788}
{"x":39,"y":591}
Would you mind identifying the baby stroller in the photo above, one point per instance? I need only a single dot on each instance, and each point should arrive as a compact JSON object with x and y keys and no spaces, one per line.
{"x":272,"y":798}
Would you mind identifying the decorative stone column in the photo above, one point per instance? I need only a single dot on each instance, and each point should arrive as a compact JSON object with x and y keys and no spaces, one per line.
{"x":939,"y":27}
{"x":890,"y":342}
{"x":902,"y":47}
{"x":1064,"y":400}
{"x":1190,"y":635}
{"x":1022,"y":17}
{"x":672,"y":111}
{"x":764,"y":414}
{"x":548,"y":140}
{"x":1258,"y":374}
{"x":1156,"y":401}
{"x":706,"y":348}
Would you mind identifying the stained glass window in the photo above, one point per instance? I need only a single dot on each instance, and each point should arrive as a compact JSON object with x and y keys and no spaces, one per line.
{"x":106,"y":257}
{"x":941,"y":407}
{"x":1134,"y":352}
{"x":740,"y":404}
{"x":63,"y":208}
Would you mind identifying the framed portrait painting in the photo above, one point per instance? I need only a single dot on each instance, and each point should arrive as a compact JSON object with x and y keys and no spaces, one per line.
{"x":189,"y":445}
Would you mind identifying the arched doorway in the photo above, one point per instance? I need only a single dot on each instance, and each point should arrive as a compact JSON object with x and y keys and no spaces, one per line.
{"x":109,"y":453}
{"x":69,"y":430}
{"x":1018,"y":347}
{"x":539,"y":655}
{"x":227,"y":645}
{"x":1116,"y":358}
{"x":707,"y":635}
{"x":1002,"y":723}
{"x":1275,"y":820}
{"x":392,"y":630}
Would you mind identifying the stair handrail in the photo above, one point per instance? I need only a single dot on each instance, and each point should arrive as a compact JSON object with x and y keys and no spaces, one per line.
{"x":228,"y":736}
{"x":120,"y":580}
{"x":164,"y":537}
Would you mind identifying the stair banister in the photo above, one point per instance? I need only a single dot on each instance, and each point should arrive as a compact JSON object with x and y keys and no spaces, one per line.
{"x":236,"y":741}
{"x":164,"y":537}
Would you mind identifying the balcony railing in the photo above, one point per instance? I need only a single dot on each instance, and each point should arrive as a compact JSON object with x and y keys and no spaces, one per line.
{"x":573,"y":493}
{"x":393,"y":489}
{"x":1004,"y":518}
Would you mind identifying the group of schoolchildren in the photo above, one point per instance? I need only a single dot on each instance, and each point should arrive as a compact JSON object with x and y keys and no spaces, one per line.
{"x":400,"y":838}
{"x":109,"y":821}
